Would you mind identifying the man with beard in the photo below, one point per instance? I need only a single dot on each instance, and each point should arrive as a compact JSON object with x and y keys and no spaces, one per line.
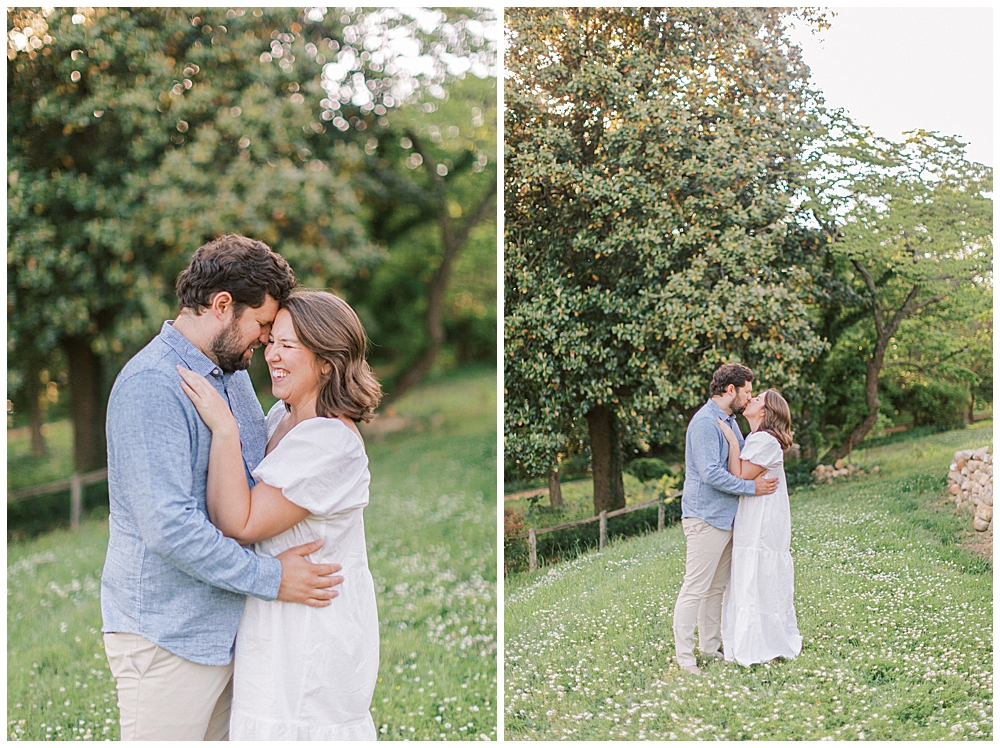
{"x":173,"y":587}
{"x":708,"y":508}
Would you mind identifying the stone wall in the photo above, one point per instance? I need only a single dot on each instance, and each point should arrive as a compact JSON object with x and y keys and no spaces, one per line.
{"x":839,"y":471}
{"x":970,"y":483}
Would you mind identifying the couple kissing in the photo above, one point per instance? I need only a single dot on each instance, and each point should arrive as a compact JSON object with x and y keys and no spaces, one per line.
{"x":738,"y":579}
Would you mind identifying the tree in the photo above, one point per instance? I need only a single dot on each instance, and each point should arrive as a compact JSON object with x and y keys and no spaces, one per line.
{"x":649,"y":160}
{"x":137,"y":135}
{"x":429,"y":178}
{"x":432,"y":171}
{"x":914,"y":222}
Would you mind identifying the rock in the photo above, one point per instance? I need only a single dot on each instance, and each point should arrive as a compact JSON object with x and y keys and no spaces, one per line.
{"x":839,"y":464}
{"x":985,"y":512}
{"x":875,"y":469}
{"x":980,"y":525}
{"x":954,"y":489}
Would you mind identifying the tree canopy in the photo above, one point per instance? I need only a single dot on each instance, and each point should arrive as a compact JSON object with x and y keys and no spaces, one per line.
{"x":135,"y":135}
{"x":650,"y":158}
{"x":913,"y":222}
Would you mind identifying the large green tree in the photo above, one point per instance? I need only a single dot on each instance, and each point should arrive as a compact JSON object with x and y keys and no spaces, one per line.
{"x":428,"y":181}
{"x":433,"y":196}
{"x":133,"y":137}
{"x":913,"y":223}
{"x":650,"y":155}
{"x":136,"y":135}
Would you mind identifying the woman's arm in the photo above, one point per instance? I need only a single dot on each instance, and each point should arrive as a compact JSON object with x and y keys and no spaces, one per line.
{"x":740,"y":468}
{"x":748,"y":470}
{"x":240,"y":513}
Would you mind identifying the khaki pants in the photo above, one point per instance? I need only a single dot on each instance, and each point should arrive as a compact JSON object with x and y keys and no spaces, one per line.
{"x":706,"y":574}
{"x":162,"y":696}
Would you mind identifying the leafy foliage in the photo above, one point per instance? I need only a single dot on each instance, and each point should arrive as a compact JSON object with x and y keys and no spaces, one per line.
{"x":649,"y":160}
{"x":913,"y":220}
{"x":138,"y":134}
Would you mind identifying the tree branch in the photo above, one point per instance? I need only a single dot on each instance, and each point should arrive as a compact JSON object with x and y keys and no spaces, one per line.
{"x":873,"y":292}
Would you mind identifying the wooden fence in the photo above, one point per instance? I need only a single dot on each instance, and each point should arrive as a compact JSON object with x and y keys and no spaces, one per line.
{"x":74,"y":485}
{"x":532,"y":534}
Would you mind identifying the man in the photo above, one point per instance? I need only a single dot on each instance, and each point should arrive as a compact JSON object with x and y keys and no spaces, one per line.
{"x":708,"y":508}
{"x":173,"y":587}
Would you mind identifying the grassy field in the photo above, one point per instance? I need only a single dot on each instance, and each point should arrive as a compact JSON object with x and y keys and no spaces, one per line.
{"x":431,"y":529}
{"x":578,"y":501}
{"x":896,"y":618}
{"x":24,"y":470}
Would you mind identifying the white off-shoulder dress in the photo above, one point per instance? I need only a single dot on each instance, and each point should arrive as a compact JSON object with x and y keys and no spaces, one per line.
{"x":305,"y":673}
{"x":758,"y":610}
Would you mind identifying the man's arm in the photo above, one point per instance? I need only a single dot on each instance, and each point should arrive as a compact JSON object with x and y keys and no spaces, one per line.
{"x":152,"y":432}
{"x":705,"y":442}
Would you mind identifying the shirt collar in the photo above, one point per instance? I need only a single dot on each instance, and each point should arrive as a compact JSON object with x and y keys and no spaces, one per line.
{"x":190,"y":354}
{"x":722,"y":414}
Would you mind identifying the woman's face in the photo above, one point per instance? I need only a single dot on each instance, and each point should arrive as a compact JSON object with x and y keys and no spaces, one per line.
{"x":754,"y":408}
{"x":296,"y":373}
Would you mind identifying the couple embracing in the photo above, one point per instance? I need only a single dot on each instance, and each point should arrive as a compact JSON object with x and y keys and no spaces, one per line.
{"x":738,"y":579}
{"x":232,"y":532}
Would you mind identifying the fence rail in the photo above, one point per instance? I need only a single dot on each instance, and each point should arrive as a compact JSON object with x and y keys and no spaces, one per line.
{"x":74,"y":485}
{"x":532,"y":534}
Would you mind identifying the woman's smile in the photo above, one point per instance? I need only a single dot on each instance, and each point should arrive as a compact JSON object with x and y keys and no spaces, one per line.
{"x":295,"y":374}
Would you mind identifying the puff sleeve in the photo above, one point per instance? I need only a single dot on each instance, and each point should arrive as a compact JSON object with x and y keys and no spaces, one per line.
{"x":762,"y":449}
{"x":320,"y":465}
{"x":274,"y":416}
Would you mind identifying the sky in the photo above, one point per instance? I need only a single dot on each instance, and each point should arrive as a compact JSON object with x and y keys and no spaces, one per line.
{"x":898,"y":69}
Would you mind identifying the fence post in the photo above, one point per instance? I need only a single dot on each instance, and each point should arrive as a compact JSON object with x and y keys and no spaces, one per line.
{"x":532,"y":551}
{"x":661,"y":516}
{"x":75,"y":500}
{"x":604,"y":529}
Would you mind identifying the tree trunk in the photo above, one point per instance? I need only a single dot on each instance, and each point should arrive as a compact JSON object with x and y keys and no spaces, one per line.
{"x":36,"y":417}
{"x":453,"y":238}
{"x":606,"y":459}
{"x":884,"y":330}
{"x":555,"y":490}
{"x":873,"y":366}
{"x":87,"y":404}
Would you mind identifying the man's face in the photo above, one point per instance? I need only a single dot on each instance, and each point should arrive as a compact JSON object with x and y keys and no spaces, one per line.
{"x":741,"y":396}
{"x":233,"y":347}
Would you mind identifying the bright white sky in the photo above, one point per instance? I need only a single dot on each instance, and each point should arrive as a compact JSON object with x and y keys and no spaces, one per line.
{"x":898,"y":69}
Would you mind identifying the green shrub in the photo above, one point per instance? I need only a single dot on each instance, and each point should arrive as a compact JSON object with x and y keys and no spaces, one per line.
{"x":932,"y":402}
{"x":648,"y":468}
{"x":562,"y":545}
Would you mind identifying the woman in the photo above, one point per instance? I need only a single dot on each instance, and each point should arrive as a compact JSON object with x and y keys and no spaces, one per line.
{"x":301,"y":672}
{"x":758,"y":612}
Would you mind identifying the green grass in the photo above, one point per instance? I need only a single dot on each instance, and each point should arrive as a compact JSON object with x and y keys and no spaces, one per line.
{"x":896,"y":619}
{"x":578,"y":502}
{"x":431,"y":530}
{"x":24,"y":470}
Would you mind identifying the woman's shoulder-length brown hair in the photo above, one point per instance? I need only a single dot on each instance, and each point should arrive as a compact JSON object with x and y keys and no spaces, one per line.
{"x":326,"y":325}
{"x":777,"y":418}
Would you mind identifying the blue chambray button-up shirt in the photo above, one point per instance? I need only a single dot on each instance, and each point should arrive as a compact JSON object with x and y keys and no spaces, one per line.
{"x":711,"y":492}
{"x":170,"y":575}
